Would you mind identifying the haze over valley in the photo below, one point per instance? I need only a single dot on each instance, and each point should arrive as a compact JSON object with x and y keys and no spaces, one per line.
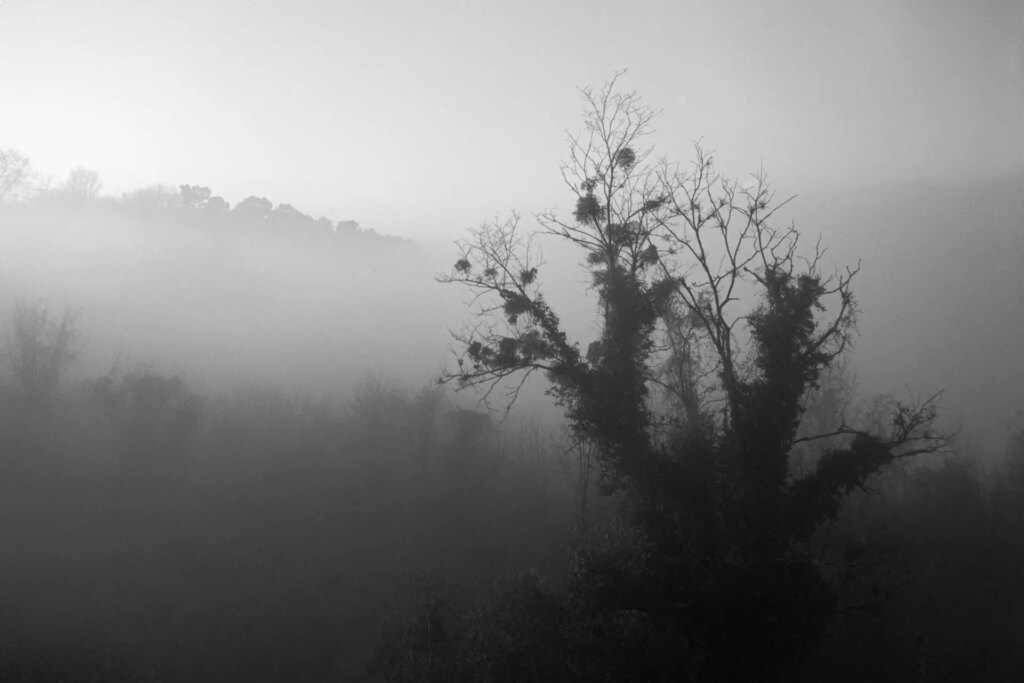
{"x":458,"y":342}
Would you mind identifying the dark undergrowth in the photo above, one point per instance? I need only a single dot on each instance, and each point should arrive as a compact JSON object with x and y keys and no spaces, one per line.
{"x":155,"y":534}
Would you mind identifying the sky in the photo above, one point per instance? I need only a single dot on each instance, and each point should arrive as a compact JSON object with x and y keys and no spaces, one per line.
{"x":425,"y":118}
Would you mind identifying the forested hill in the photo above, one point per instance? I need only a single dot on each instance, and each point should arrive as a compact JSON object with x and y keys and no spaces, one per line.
{"x":196,"y":209}
{"x":179,"y":278}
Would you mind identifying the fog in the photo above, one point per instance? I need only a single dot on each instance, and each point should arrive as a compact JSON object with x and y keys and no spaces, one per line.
{"x":263,"y":323}
{"x":225,"y":304}
{"x":940,"y":291}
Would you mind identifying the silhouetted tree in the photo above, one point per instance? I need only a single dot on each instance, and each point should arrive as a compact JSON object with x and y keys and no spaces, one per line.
{"x":705,"y":302}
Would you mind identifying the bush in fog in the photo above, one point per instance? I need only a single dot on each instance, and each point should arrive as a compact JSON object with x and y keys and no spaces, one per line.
{"x":512,"y":634}
{"x":152,"y":420}
{"x":1014,"y":461}
{"x":40,"y":349}
{"x":927,"y":562}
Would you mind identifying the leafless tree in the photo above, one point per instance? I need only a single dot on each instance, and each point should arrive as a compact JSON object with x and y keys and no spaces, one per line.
{"x":15,"y":171}
{"x":83,"y":183}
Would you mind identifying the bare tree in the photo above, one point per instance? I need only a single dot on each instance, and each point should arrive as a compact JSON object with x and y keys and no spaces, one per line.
{"x":83,"y":183}
{"x":15,"y":171}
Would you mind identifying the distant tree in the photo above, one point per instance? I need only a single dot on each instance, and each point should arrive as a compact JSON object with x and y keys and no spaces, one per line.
{"x":707,"y":305}
{"x":287,"y":217}
{"x":194,"y":197}
{"x":155,"y":199}
{"x":15,"y":171}
{"x":197,"y":199}
{"x":253,"y":209}
{"x":217,"y":206}
{"x":83,"y":183}
{"x":287,"y":212}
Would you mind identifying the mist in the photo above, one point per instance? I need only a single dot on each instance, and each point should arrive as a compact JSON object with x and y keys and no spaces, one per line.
{"x":407,"y":343}
{"x":225,"y":304}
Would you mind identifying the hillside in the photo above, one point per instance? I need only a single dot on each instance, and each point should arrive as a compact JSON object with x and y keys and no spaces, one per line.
{"x":268,"y":295}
